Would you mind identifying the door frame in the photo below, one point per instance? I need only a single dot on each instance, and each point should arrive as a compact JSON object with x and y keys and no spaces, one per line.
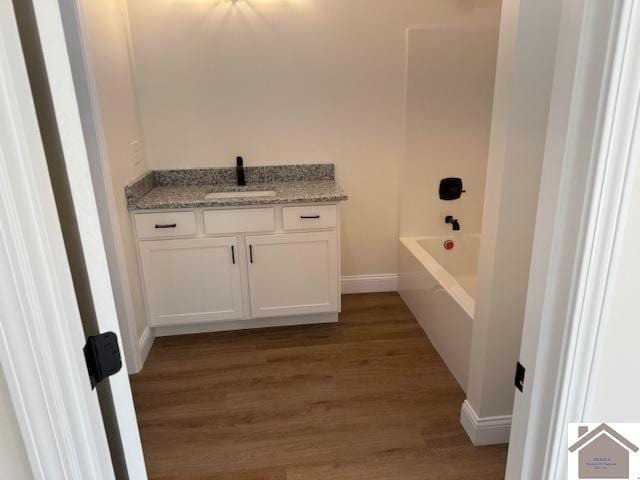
{"x":96,"y":144}
{"x":41,"y":333}
{"x":51,"y":18}
{"x":78,"y":447}
{"x":591,"y":158}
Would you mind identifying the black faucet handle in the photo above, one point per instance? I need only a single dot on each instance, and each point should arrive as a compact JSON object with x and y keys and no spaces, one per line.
{"x":448,"y":219}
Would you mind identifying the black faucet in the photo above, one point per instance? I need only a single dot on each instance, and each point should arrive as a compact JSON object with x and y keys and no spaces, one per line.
{"x":453,"y":221}
{"x":240,"y":172}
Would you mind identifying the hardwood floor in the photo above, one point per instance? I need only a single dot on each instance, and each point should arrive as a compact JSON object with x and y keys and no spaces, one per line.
{"x":366,"y":399}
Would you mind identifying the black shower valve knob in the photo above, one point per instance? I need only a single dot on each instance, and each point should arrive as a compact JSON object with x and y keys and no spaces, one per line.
{"x":451,"y":188}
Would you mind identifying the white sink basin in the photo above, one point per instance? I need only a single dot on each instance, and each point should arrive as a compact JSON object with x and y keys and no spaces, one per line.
{"x":245,"y":194}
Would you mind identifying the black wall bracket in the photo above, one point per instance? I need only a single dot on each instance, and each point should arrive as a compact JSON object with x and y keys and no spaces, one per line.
{"x":102,"y":355}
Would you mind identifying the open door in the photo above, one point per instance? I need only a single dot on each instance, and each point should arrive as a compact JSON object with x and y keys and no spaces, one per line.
{"x":74,"y":215}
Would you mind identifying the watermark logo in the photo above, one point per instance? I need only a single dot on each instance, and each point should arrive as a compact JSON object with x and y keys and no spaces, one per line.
{"x":604,"y":451}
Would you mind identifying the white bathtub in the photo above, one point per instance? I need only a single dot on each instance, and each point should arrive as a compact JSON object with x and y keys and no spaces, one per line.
{"x":438,"y":285}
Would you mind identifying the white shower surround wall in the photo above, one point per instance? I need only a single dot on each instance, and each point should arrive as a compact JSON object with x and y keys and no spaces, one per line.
{"x":438,"y":285}
{"x":449,"y":100}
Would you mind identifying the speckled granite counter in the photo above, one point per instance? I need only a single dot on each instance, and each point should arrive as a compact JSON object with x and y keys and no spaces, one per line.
{"x":292,"y":184}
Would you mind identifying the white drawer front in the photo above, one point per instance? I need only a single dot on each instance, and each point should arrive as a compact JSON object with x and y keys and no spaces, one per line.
{"x":309,"y":217}
{"x":218,"y":222}
{"x":169,"y":224}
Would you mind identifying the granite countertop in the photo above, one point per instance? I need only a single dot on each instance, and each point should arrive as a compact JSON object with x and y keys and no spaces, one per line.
{"x":292,"y":184}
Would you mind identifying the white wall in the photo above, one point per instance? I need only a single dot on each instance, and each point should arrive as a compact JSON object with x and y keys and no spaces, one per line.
{"x":525,"y":70}
{"x":448,"y":122}
{"x":290,"y":81}
{"x":13,"y":456}
{"x":108,"y":53}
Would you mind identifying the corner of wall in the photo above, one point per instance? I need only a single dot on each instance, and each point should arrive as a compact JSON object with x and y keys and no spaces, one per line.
{"x":524,"y":81}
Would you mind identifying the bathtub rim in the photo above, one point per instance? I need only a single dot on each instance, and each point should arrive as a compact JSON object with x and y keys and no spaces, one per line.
{"x":441,"y":274}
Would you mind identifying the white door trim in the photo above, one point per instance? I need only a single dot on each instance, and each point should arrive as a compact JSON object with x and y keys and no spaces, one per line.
{"x":616,"y":160}
{"x":53,"y":41}
{"x":593,"y":152}
{"x":40,"y":326}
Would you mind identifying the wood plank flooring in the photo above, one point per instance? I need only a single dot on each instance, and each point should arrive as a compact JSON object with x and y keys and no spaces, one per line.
{"x":366,"y":399}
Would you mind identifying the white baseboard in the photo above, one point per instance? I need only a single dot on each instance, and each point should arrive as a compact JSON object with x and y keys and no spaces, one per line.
{"x":382,"y":282}
{"x":145,"y":342}
{"x":487,"y":430}
{"x":289,"y":321}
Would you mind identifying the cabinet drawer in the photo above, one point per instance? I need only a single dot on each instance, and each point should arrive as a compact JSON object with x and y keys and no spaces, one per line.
{"x":169,"y":224}
{"x":309,"y":217}
{"x":218,"y":222}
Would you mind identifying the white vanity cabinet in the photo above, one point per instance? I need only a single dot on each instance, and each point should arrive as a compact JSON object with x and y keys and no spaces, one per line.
{"x":293,"y":274}
{"x":191,"y":281}
{"x":235,"y":268}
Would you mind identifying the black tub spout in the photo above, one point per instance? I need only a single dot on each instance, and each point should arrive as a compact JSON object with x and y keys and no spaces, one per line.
{"x":453,"y":221}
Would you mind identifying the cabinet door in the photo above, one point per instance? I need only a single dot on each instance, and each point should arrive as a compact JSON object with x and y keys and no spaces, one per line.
{"x":191,"y":281}
{"x":293,"y":274}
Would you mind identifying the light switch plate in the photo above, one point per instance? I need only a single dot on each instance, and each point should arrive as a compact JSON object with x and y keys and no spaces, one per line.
{"x":136,"y":157}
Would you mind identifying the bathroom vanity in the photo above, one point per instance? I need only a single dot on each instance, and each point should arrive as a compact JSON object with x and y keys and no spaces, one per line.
{"x":215,"y":256}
